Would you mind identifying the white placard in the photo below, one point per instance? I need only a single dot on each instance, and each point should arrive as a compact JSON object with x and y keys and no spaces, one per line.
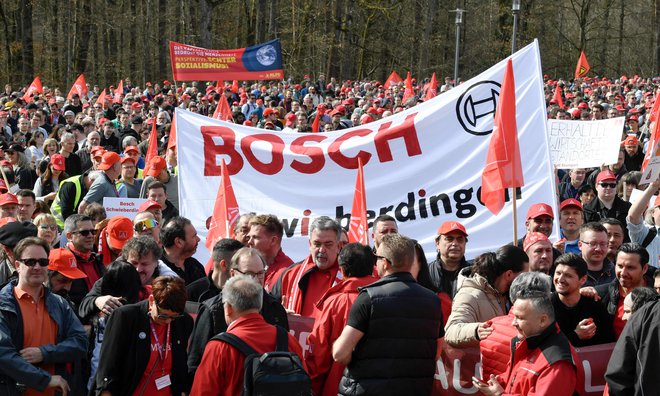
{"x":127,"y":207}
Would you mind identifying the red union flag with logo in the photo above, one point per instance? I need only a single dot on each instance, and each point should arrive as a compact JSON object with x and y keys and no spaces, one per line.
{"x":422,"y":166}
{"x":225,"y":211}
{"x":358,"y":231}
{"x":79,"y":87}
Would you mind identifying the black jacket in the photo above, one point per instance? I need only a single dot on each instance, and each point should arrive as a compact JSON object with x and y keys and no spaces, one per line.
{"x":391,"y":359}
{"x":609,"y":293}
{"x":125,"y":351}
{"x":211,"y":321}
{"x":202,"y":289}
{"x":596,"y":211}
{"x":437,"y":277}
{"x":191,"y":271}
{"x":634,"y":365}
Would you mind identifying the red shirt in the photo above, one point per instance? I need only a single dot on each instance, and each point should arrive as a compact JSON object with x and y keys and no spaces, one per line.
{"x":221,"y":370}
{"x":164,"y":344}
{"x":303,"y":301}
{"x":619,"y":323}
{"x":276,"y":269}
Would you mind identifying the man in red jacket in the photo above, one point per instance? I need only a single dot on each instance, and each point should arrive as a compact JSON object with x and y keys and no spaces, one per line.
{"x":543,"y":362}
{"x":356,"y":263}
{"x":221,"y":369}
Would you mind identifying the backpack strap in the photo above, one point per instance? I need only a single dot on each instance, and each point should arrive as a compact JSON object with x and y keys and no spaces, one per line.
{"x":653,"y":232}
{"x":282,"y":340}
{"x":236,"y":342}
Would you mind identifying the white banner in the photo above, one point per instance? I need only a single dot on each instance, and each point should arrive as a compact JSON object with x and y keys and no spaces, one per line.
{"x":585,"y":144}
{"x":127,"y":207}
{"x":423,"y":166}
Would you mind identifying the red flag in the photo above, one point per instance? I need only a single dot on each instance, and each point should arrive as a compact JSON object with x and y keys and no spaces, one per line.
{"x":34,"y":88}
{"x":171,"y":142}
{"x":503,"y":168}
{"x":558,"y":98}
{"x":119,"y":92}
{"x":222,"y":110}
{"x":394,"y":78}
{"x":79,"y":87}
{"x":225,"y":211}
{"x":408,"y":93}
{"x":152,"y":150}
{"x":432,"y":90}
{"x":234,"y":86}
{"x":582,"y":67}
{"x":358,"y":229}
{"x":316,"y":124}
{"x":101,"y":100}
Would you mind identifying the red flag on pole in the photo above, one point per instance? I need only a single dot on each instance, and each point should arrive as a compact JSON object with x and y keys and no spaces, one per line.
{"x":222,"y":110}
{"x":408,"y":93}
{"x":225,"y":211}
{"x":558,"y":98}
{"x":394,"y":78}
{"x":432,"y":90}
{"x":582,"y":67}
{"x":101,"y":99}
{"x":316,"y":124}
{"x":152,"y":150}
{"x":171,"y":142}
{"x":34,"y":88}
{"x":234,"y":86}
{"x":503,"y":168}
{"x":358,"y":231}
{"x":119,"y":92}
{"x":79,"y":87}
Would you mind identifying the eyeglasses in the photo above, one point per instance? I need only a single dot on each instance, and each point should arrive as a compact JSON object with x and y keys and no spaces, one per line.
{"x":146,"y":225}
{"x":593,"y":245}
{"x":259,"y":274}
{"x":84,"y":233}
{"x":161,"y":316}
{"x":31,"y":262}
{"x":383,"y":258}
{"x":608,"y":185}
{"x":48,"y":226}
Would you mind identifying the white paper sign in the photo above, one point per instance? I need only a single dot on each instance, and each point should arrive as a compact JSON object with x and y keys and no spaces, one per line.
{"x":423,"y":166}
{"x":585,"y":144}
{"x":127,"y":207}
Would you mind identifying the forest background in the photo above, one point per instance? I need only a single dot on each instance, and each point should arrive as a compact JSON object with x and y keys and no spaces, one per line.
{"x":108,"y":40}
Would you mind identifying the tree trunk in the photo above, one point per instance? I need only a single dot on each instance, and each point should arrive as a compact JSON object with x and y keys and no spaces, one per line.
{"x":162,"y":37}
{"x":261,"y":21}
{"x":272,"y":20}
{"x":85,"y":28}
{"x":8,"y":52}
{"x":619,"y":58}
{"x":27,"y":41}
{"x":429,"y":23}
{"x":204,"y":24}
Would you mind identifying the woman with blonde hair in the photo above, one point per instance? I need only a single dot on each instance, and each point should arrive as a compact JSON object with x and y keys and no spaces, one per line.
{"x":47,"y":229}
{"x":50,"y":147}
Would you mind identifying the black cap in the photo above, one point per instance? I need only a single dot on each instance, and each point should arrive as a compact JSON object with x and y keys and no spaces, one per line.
{"x":14,"y":232}
{"x":16,"y":147}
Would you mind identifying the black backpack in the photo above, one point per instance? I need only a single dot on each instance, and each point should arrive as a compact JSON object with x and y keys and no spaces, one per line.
{"x":278,"y":373}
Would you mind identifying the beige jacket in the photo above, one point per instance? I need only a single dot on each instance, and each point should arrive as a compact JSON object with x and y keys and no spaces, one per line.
{"x":476,"y":301}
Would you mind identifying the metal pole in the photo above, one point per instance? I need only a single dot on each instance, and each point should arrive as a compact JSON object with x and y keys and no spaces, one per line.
{"x":457,"y":54}
{"x":515,"y":8}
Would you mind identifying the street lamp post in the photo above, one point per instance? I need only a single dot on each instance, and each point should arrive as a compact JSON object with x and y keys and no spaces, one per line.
{"x":459,"y":22}
{"x":515,"y":8}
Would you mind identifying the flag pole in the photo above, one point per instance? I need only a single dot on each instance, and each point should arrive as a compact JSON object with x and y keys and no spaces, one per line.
{"x":515,"y":217}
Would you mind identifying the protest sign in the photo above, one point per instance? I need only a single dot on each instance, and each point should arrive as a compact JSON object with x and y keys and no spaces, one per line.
{"x":259,"y":62}
{"x":584,"y":144}
{"x":127,"y":207}
{"x":423,"y":165}
{"x":456,"y":366}
{"x":652,"y":171}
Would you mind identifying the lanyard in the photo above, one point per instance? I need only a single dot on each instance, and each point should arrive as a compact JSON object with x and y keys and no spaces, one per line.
{"x":159,"y":347}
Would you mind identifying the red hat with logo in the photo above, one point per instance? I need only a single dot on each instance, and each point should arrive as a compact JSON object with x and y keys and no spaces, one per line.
{"x":540,"y":209}
{"x":633,"y":118}
{"x":532,"y":238}
{"x":64,"y":262}
{"x":605,"y":175}
{"x":268,"y":112}
{"x":583,"y":106}
{"x":109,"y":159}
{"x":450,"y":226}
{"x":631,"y":140}
{"x":97,"y":152}
{"x":291,"y":119}
{"x":155,"y":166}
{"x":129,"y":149}
{"x":8,"y":199}
{"x":149,"y":204}
{"x":127,"y":159}
{"x":57,"y":162}
{"x":120,"y":230}
{"x":570,"y":203}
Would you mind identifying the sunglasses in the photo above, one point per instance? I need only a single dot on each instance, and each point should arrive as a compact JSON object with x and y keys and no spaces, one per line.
{"x":84,"y":233}
{"x":146,"y":225}
{"x":608,"y":185}
{"x":31,"y":262}
{"x":48,"y":226}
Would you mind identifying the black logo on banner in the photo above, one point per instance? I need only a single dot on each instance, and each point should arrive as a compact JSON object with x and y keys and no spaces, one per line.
{"x":475,"y":108}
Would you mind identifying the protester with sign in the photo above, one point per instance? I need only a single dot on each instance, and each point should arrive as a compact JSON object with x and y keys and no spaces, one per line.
{"x":450,"y":244}
{"x":265,"y":235}
{"x":356,"y":264}
{"x":645,"y":232}
{"x":383,"y":310}
{"x":483,"y":295}
{"x":302,"y":285}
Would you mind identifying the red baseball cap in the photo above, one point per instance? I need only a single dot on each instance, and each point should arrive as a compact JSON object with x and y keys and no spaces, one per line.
{"x":97,"y":152}
{"x":109,"y":159}
{"x":127,"y":159}
{"x":583,"y":106}
{"x":155,"y":166}
{"x":120,"y":230}
{"x":532,"y":238}
{"x":450,"y":226}
{"x":605,"y":175}
{"x":570,"y":202}
{"x":64,"y":262}
{"x":8,"y":199}
{"x":134,"y":149}
{"x":149,"y":204}
{"x":540,"y":209}
{"x":268,"y":112}
{"x":631,"y":140}
{"x":57,"y":162}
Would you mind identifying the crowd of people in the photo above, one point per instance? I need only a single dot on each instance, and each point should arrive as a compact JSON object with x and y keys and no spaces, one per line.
{"x":97,"y":305}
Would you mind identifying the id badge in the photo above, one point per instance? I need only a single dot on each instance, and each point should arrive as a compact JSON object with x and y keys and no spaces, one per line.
{"x":163,"y":382}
